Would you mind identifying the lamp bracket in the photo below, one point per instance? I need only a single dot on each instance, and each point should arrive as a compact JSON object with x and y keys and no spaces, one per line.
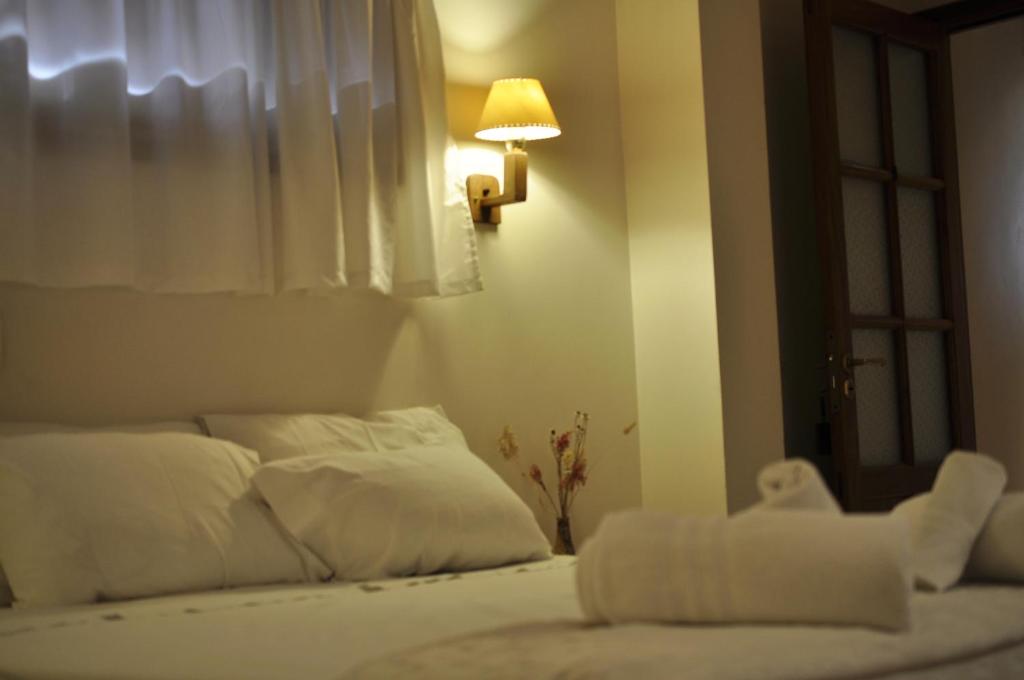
{"x":484,"y":199}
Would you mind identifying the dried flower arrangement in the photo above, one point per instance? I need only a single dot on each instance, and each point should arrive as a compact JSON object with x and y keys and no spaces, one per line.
{"x":570,"y":454}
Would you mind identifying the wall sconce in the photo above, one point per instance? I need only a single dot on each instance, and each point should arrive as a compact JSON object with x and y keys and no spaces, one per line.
{"x":516,"y":110}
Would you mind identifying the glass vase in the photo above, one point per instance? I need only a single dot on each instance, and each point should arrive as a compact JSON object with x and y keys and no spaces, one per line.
{"x":563,"y":537}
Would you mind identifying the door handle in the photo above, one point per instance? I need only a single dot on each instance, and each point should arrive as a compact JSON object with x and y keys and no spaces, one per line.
{"x":850,"y":362}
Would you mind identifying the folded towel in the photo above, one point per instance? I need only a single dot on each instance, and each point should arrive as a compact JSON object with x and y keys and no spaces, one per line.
{"x":794,"y":485}
{"x":945,"y":525}
{"x":767,"y":567}
{"x":998,"y":553}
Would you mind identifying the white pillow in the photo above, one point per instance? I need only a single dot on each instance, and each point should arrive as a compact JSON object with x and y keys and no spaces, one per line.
{"x":92,"y":516}
{"x":286,"y":436}
{"x":414,"y":511}
{"x":998,"y":553}
{"x":11,"y":429}
{"x":428,"y":425}
{"x":946,"y":524}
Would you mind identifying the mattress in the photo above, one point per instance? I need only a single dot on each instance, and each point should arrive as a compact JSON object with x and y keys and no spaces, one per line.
{"x":513,"y":622}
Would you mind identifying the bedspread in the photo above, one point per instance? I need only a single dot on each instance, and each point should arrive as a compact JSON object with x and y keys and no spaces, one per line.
{"x":296,"y":632}
{"x":509,"y":623}
{"x":973,"y":631}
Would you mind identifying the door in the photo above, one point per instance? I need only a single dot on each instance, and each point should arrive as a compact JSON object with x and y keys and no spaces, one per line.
{"x":888,"y":223}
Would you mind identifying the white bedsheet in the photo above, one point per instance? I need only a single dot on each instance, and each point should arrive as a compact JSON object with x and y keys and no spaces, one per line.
{"x":970,"y":632}
{"x":307,"y":632}
{"x":431,"y":627}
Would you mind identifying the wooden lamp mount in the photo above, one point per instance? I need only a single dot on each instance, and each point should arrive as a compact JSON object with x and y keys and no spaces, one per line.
{"x":485,"y":201}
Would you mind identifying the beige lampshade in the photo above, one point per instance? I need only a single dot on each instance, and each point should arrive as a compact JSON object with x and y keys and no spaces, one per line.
{"x":517,"y":108}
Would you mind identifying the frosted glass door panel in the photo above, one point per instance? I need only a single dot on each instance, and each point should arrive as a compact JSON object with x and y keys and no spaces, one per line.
{"x":856,"y":78}
{"x":911,"y":126}
{"x":867,"y":247}
{"x":919,"y":249}
{"x":929,"y":395}
{"x":878,"y":406}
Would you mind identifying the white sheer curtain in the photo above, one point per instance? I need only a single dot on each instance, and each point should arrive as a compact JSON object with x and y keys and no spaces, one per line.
{"x":195,"y":146}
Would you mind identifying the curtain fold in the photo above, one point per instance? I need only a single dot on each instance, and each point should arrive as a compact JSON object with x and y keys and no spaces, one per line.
{"x":192,"y":146}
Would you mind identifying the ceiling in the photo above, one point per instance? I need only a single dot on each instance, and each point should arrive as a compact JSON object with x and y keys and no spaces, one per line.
{"x":482,"y":25}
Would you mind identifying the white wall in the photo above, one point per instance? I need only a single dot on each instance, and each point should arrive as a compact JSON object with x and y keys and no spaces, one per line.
{"x":697,"y":189}
{"x":551,"y":334}
{"x":670,"y":242}
{"x":741,"y":224}
{"x":988,"y":86}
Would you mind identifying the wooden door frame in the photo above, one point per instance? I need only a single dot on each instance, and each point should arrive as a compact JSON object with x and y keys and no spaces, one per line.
{"x":822,"y":15}
{"x":961,"y":383}
{"x":831,"y":240}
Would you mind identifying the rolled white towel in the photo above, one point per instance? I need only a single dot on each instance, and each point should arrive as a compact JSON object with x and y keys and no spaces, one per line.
{"x":794,"y":484}
{"x":778,"y":567}
{"x":998,"y":552}
{"x":947,"y":522}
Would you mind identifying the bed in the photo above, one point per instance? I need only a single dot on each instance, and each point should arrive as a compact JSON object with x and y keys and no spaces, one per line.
{"x":100,"y":528}
{"x":520,"y":621}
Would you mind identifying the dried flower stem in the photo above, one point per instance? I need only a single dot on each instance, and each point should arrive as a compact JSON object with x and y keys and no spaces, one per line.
{"x":569,"y":451}
{"x":545,"y":494}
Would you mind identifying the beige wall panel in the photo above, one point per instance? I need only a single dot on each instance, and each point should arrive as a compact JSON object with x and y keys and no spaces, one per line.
{"x":670,"y":247}
{"x":741,"y":218}
{"x":988,"y":86}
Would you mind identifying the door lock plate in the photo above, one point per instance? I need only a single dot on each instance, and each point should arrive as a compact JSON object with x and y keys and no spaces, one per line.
{"x":848,"y":388}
